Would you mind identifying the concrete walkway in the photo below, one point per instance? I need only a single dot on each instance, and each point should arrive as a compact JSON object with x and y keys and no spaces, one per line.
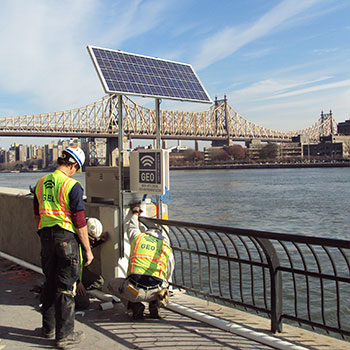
{"x":113,"y":328}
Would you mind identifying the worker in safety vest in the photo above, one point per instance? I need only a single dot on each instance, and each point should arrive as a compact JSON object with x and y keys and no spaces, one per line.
{"x":60,"y":219}
{"x":150,"y":267}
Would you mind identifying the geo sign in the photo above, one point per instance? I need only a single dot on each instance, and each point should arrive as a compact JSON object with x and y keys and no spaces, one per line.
{"x":149,"y":171}
{"x":150,"y":168}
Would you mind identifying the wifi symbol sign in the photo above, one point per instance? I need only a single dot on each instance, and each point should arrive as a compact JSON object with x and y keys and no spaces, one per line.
{"x":147,"y":161}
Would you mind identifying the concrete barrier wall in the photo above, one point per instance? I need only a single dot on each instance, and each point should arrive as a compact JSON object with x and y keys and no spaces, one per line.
{"x":18,"y":235}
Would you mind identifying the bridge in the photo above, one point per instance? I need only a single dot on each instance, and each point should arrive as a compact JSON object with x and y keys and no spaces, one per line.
{"x":100,"y":119}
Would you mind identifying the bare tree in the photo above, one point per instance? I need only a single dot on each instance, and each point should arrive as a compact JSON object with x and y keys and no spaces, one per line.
{"x":218,"y":154}
{"x":236,"y":151}
{"x":193,"y":156}
{"x":269,"y":151}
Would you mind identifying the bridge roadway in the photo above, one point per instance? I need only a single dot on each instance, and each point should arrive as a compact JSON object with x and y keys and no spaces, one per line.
{"x":113,"y":328}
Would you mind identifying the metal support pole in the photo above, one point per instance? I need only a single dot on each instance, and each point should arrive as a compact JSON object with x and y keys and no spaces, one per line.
{"x":158,"y":124}
{"x":120,"y":173}
{"x":158,"y":146}
{"x":111,"y":142}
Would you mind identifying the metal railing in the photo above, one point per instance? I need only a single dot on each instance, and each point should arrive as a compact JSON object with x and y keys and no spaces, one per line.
{"x":286,"y":277}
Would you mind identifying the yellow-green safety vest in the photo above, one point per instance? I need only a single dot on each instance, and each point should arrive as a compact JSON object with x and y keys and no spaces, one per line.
{"x":149,"y":256}
{"x":52,"y":192}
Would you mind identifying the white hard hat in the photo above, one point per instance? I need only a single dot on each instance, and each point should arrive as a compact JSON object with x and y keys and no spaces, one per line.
{"x":77,"y":153}
{"x":94,"y":227}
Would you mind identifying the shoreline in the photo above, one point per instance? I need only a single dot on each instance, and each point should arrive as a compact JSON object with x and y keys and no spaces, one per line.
{"x":229,"y":167}
{"x":262,"y":166}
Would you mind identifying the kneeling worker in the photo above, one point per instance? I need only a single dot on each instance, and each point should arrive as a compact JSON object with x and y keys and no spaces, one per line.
{"x":151,"y":264}
{"x":90,"y":282}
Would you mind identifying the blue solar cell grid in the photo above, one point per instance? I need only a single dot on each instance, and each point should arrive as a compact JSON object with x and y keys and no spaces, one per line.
{"x":131,"y":74}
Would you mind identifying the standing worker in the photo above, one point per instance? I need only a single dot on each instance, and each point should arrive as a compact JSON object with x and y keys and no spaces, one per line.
{"x":150,"y":267}
{"x":60,"y":219}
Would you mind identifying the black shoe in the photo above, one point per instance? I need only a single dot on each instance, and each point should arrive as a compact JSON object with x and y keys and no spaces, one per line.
{"x":154,"y":310}
{"x":155,"y":316}
{"x":48,"y":335}
{"x":73,"y":338}
{"x":45,"y":333}
{"x":137,"y":311}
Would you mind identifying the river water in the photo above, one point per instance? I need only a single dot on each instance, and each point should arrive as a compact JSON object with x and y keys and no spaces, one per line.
{"x":313,"y":201}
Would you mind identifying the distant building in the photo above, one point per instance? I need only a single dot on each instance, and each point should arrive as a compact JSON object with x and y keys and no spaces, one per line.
{"x":176,"y":158}
{"x":30,"y":152}
{"x":45,"y":156}
{"x":253,"y":149}
{"x":2,"y":155}
{"x":344,"y":128}
{"x":331,"y":146}
{"x":22,"y":153}
{"x":288,"y":151}
{"x":178,"y":149}
{"x":11,"y":155}
{"x":208,"y":152}
{"x":95,"y":150}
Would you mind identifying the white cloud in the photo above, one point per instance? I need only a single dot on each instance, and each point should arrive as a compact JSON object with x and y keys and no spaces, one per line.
{"x":301,"y":113}
{"x":44,"y":41}
{"x":270,"y":88}
{"x":41,"y":57}
{"x":132,"y":18}
{"x":227,"y":41}
{"x":338,"y":84}
{"x":325,"y":51}
{"x":293,"y":101}
{"x":258,"y":53}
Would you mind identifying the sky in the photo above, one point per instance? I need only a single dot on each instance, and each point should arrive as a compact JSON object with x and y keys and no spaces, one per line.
{"x":279,"y":62}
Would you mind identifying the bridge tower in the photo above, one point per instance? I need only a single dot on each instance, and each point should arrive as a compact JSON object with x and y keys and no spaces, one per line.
{"x":227,"y":141}
{"x":323,"y":118}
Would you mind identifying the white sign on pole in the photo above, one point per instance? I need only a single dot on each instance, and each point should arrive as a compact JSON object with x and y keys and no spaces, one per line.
{"x":149,"y":171}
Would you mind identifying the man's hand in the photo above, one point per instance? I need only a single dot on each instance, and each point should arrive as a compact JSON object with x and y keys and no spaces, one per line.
{"x":104,"y":236}
{"x":88,"y":258}
{"x":82,"y":233}
{"x":136,"y":210}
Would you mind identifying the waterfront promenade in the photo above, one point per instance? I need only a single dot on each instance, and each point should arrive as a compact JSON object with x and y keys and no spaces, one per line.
{"x":113,"y":328}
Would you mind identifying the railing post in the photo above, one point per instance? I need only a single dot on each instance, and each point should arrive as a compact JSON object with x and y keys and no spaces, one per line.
{"x":276,"y":284}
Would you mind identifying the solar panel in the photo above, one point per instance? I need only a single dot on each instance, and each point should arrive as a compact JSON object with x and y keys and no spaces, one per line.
{"x":129,"y":74}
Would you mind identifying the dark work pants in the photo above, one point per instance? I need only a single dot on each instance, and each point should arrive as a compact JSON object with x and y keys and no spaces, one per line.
{"x":60,"y":259}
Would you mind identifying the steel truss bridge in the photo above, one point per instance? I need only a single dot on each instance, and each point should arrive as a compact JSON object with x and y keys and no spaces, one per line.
{"x":100,"y":119}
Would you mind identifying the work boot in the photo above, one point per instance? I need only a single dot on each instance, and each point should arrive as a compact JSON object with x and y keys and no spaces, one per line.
{"x":73,"y":338}
{"x":137,"y":311}
{"x":48,"y":334}
{"x":45,"y":333}
{"x":154,"y":309}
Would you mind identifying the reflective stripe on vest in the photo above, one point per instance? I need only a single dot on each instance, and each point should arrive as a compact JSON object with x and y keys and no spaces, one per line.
{"x":52,"y":192}
{"x":149,"y":256}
